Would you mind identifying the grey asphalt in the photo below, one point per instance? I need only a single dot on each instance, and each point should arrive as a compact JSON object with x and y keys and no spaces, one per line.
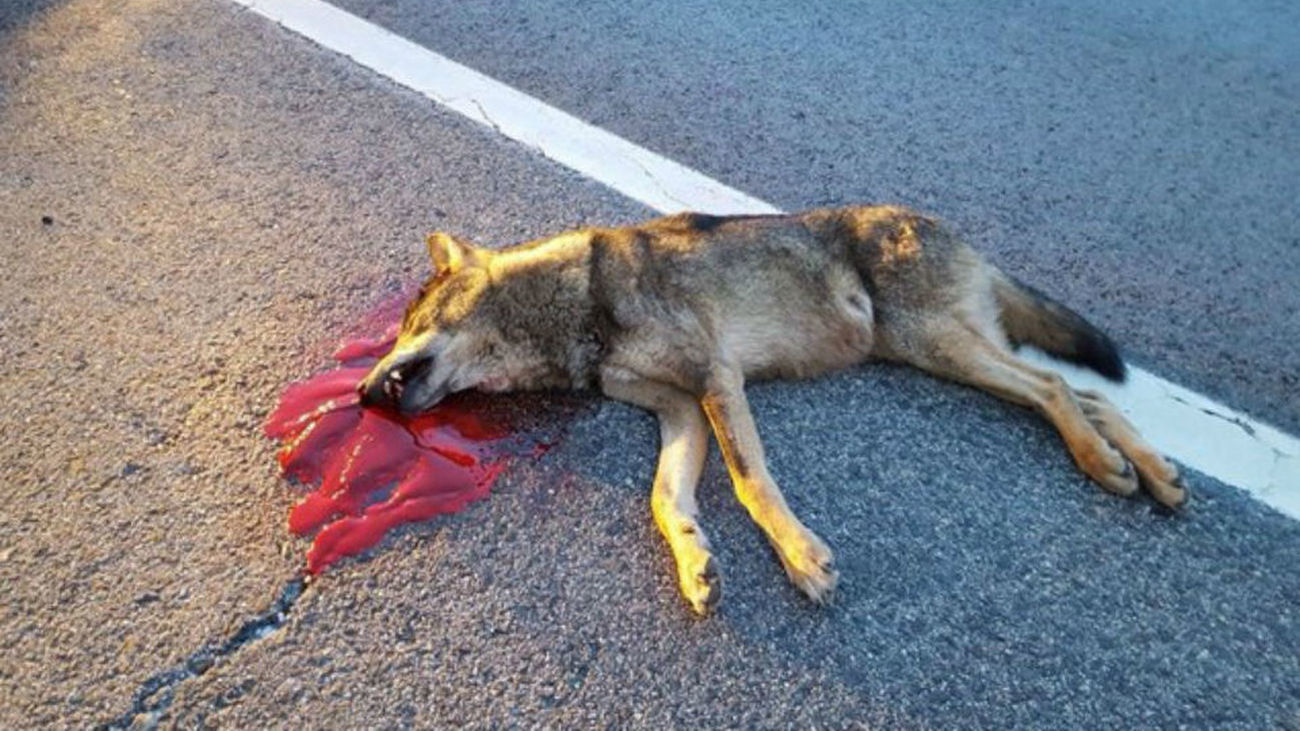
{"x":1139,"y":160}
{"x":224,"y":198}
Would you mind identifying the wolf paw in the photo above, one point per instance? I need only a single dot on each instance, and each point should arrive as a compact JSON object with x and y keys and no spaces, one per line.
{"x":810,"y":566}
{"x":701,"y":585}
{"x":1172,"y":494}
{"x":1160,"y":478}
{"x":1113,"y":472}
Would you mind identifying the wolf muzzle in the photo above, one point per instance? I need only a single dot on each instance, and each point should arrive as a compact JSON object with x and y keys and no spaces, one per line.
{"x":390,"y":386}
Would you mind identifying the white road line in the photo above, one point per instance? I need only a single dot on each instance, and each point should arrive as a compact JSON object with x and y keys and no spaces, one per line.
{"x":1201,"y":433}
{"x":1190,"y":427}
{"x":631,"y":170}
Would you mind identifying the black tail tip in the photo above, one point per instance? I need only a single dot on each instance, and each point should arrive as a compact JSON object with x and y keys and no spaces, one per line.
{"x":1096,"y":351}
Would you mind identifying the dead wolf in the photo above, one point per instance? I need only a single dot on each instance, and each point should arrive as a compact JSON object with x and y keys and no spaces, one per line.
{"x":676,"y":314}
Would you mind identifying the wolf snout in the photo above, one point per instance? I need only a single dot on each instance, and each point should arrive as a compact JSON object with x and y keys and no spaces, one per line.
{"x":386,"y":384}
{"x":372,"y":390}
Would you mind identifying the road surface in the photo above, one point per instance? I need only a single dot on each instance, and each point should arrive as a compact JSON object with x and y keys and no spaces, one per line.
{"x":197,"y":203}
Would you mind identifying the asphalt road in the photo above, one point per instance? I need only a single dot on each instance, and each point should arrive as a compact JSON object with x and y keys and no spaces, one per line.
{"x":195,"y":203}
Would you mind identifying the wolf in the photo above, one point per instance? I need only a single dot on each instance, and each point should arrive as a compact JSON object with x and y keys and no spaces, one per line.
{"x":676,"y":314}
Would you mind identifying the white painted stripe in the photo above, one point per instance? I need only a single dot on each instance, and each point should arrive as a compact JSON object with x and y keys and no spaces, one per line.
{"x":634,"y":171}
{"x":1191,"y":428}
{"x":1200,"y":432}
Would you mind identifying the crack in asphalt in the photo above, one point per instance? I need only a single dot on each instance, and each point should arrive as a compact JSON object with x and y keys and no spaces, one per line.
{"x":487,"y":118}
{"x":541,"y":150}
{"x":659,"y":184}
{"x":156,"y":693}
{"x":1234,"y":420}
{"x":489,"y":121}
{"x":1278,"y":470}
{"x":1241,"y":424}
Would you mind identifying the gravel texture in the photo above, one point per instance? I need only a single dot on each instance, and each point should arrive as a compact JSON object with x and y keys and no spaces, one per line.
{"x":195,"y":205}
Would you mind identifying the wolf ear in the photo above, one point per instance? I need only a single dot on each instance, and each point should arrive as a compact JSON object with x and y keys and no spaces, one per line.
{"x":450,"y":254}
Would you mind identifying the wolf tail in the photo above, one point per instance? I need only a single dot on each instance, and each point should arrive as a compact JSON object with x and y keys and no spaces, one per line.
{"x":1030,"y":317}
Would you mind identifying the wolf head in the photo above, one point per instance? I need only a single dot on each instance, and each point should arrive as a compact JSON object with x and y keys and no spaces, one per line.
{"x":448,"y":341}
{"x":485,"y":320}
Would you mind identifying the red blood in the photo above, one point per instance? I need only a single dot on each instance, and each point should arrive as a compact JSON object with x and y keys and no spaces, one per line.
{"x":327,"y":392}
{"x":377,"y":470}
{"x":361,"y":348}
{"x":304,"y":456}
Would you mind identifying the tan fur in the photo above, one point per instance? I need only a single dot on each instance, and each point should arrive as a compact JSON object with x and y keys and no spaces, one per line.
{"x":675,"y":315}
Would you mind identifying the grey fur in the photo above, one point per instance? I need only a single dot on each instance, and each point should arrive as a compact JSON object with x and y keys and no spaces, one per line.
{"x":677,"y":313}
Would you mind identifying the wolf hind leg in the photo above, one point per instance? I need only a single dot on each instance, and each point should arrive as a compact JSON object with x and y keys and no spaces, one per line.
{"x":806,"y":558}
{"x":1159,"y":476}
{"x":961,"y":353}
{"x":684,"y":442}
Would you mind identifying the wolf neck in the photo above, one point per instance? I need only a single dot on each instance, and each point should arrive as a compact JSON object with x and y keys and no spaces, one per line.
{"x":548,"y":282}
{"x":570,"y":247}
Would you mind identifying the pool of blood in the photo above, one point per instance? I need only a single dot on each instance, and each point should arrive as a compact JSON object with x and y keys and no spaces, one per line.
{"x":375,"y":470}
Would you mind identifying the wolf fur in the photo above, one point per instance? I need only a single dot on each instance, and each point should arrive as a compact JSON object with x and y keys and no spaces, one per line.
{"x":677,"y":314}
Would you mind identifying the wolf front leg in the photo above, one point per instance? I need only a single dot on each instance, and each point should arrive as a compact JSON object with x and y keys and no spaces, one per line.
{"x":684,"y":442}
{"x":806,"y":558}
